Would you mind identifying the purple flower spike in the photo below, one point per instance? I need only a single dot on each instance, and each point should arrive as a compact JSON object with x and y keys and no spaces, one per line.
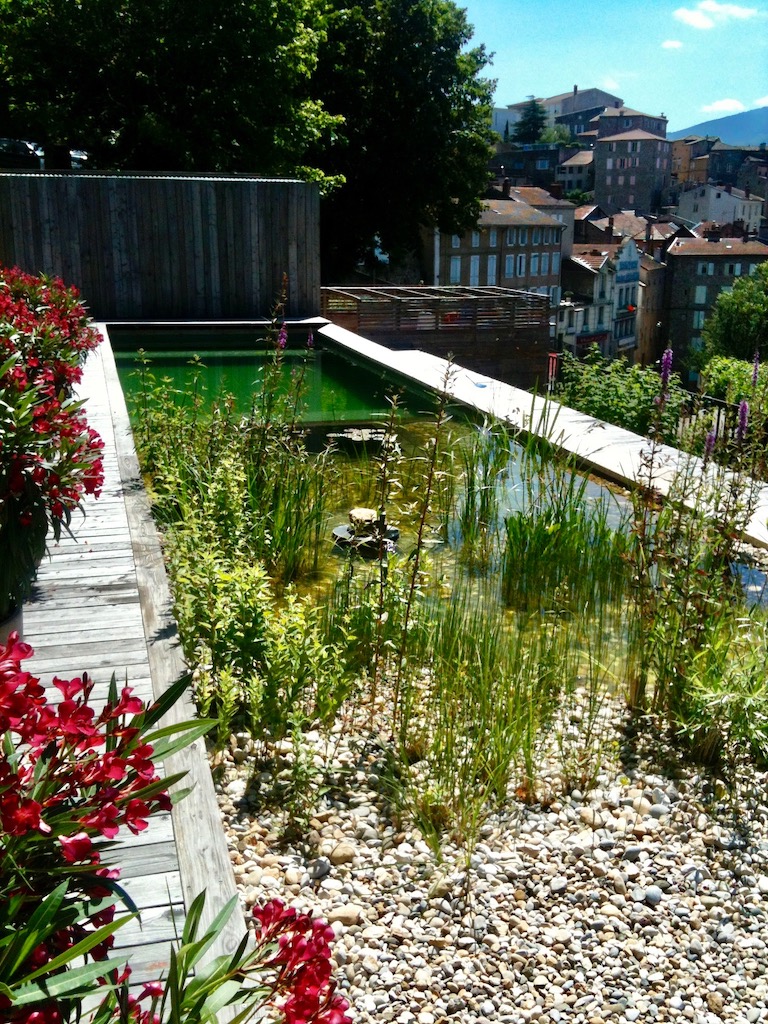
{"x":282,"y":338}
{"x":709,"y":444}
{"x":741,"y":430}
{"x":755,"y":369}
{"x":310,"y":340}
{"x":666,"y":368}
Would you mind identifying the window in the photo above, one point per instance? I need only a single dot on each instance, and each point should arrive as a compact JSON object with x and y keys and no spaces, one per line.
{"x":554,"y":295}
{"x":536,"y":236}
{"x":555,"y":262}
{"x":545,"y":263}
{"x":698,"y":318}
{"x":474,"y":271}
{"x":632,"y":179}
{"x":705,"y":269}
{"x":490,"y":271}
{"x":620,"y":180}
{"x":608,"y":179}
{"x":542,"y":164}
{"x":455,"y":275}
{"x":523,"y":236}
{"x":511,"y":237}
{"x":455,"y":241}
{"x":475,"y":239}
{"x":493,"y":237}
{"x":631,"y":199}
{"x":509,"y":265}
{"x":521,"y":265}
{"x":733,"y":270}
{"x":534,"y":264}
{"x":700,"y":297}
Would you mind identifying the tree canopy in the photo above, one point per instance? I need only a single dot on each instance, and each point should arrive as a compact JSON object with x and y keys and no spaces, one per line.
{"x":532,"y":123}
{"x":385,"y":95}
{"x":415,"y":141}
{"x":738,"y":323}
{"x":165,"y":85}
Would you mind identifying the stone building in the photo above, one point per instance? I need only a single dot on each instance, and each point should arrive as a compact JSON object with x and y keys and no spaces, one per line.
{"x":698,"y":269}
{"x":631,"y":171}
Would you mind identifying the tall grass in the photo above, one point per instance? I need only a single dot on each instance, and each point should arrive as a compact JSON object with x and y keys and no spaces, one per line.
{"x":491,"y":648}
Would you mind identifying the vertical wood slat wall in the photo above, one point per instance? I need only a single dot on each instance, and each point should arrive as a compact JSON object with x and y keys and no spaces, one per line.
{"x":166,"y":247}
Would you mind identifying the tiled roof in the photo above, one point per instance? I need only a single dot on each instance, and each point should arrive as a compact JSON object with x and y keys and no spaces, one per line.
{"x":583,"y":212}
{"x":725,"y":247}
{"x":590,"y":258}
{"x":581,"y":159}
{"x":537,"y":197}
{"x":637,"y":133}
{"x":622,"y":112}
{"x":503,"y":213}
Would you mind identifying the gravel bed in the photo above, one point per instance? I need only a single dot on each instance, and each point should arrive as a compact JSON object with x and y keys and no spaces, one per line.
{"x":642,"y":899}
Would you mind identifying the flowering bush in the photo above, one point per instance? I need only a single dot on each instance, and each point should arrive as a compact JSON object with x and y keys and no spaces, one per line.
{"x":49,"y":456}
{"x":70,"y":779}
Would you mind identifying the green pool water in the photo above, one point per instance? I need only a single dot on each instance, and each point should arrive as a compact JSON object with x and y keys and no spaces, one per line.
{"x":333,"y":390}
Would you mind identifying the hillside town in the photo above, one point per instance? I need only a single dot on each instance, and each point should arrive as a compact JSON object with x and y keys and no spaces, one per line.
{"x":632,"y":236}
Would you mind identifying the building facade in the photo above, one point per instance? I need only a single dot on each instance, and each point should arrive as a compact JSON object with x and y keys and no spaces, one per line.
{"x":619,"y":120}
{"x":723,"y":204}
{"x":631,"y":171}
{"x":698,"y":269}
{"x":513,"y":245}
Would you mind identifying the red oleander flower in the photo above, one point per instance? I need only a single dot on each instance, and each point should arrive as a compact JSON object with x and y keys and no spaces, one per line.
{"x":78,"y":848}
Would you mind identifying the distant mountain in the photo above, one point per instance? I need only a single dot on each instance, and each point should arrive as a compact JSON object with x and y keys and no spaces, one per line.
{"x":749,"y":128}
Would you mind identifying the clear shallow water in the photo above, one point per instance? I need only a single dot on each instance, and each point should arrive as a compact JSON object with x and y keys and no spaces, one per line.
{"x":333,"y":389}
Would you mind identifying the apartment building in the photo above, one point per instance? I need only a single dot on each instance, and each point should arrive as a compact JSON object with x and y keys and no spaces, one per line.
{"x":512,"y":245}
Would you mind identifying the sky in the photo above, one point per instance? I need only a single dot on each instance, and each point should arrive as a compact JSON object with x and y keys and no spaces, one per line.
{"x":692,"y":63}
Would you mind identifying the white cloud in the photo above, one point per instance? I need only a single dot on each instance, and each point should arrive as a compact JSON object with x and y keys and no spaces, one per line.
{"x":762,"y":102}
{"x":708,"y":13}
{"x":724,"y":107}
{"x":723,"y":11}
{"x":611,"y":83}
{"x":696,"y":19}
{"x":671,"y":44}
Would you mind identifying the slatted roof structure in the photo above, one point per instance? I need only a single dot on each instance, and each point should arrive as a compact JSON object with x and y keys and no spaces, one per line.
{"x":495,"y":330}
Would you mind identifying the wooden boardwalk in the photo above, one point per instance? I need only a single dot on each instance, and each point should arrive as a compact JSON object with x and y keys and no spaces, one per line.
{"x":102,"y":605}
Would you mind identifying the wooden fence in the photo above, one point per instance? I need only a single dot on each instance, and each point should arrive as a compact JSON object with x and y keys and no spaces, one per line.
{"x":166,"y":247}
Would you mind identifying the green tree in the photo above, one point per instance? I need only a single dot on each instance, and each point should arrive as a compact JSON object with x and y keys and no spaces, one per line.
{"x":164,"y":85}
{"x":532,"y":123}
{"x":556,"y":133}
{"x":579,"y":197}
{"x":415,"y":141}
{"x":738,"y":323}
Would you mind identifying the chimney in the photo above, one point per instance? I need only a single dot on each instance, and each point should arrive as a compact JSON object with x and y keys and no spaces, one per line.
{"x":746,"y":191}
{"x":556,"y":190}
{"x":728,"y":189}
{"x":575,"y":90}
{"x":505,"y":186}
{"x":713,"y":233}
{"x":610,"y":228}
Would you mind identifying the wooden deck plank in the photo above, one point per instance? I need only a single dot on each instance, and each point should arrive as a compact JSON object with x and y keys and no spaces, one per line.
{"x":102,"y":605}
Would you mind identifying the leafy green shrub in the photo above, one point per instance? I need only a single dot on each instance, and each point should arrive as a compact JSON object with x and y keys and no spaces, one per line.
{"x":261,"y":664}
{"x":611,"y":390}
